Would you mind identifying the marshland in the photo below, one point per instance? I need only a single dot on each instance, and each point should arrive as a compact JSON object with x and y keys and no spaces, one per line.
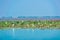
{"x":41,"y":24}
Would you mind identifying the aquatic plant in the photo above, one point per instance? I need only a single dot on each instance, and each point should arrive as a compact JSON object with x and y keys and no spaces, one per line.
{"x":30,"y":24}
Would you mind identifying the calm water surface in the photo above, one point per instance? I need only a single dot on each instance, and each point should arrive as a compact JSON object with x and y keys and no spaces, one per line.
{"x":29,"y":34}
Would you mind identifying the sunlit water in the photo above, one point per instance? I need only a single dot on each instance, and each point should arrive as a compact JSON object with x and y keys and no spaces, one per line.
{"x":29,"y":34}
{"x":13,"y":32}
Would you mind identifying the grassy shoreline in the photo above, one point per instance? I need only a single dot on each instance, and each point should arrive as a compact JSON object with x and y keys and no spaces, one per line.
{"x":40,"y":24}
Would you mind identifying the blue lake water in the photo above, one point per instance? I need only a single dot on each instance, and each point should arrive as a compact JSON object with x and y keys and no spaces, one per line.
{"x":29,"y":34}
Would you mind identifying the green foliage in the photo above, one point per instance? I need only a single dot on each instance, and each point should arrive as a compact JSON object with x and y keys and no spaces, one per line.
{"x":30,"y":24}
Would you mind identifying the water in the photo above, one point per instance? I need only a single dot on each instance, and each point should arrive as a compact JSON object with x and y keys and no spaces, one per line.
{"x":29,"y":34}
{"x":13,"y":32}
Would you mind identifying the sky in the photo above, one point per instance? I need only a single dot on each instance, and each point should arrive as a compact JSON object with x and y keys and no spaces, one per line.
{"x":16,"y":8}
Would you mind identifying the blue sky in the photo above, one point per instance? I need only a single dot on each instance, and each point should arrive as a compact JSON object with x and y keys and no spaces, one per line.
{"x":16,"y":8}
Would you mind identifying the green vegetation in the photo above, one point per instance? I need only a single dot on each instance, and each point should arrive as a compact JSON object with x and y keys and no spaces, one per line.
{"x":31,"y":24}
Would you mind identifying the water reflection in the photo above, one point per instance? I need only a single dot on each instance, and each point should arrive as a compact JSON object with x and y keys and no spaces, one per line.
{"x":13,"y":32}
{"x":20,"y":34}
